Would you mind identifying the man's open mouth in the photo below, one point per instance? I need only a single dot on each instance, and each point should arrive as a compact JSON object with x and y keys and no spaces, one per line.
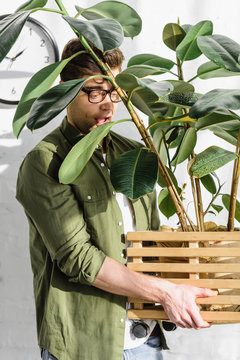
{"x":103,"y":120}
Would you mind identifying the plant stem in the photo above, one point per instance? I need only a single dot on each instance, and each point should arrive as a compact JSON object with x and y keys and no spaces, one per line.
{"x":166,"y":148}
{"x":61,"y":6}
{"x":195,"y":202}
{"x":193,"y":78}
{"x":213,"y":199}
{"x":197,"y":197}
{"x":49,"y":10}
{"x":181,"y":118}
{"x":200,"y":205}
{"x":234,"y":188}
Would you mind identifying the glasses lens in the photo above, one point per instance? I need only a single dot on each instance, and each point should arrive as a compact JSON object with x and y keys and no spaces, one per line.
{"x":95,"y":96}
{"x":114,"y":96}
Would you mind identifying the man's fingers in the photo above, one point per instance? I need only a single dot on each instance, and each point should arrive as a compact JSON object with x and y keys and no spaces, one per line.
{"x":204,"y":292}
{"x":198,"y":321}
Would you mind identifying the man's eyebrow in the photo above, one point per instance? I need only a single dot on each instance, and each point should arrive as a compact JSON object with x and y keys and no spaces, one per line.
{"x":94,"y":87}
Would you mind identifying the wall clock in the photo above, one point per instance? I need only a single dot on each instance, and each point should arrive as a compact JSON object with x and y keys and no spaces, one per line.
{"x":34,"y":49}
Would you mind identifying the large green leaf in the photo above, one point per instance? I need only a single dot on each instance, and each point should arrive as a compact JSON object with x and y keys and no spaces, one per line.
{"x":161,"y":181}
{"x":215,"y":99}
{"x":211,"y":70}
{"x":32,"y":4}
{"x":151,"y":60}
{"x":37,"y":85}
{"x":105,"y":34}
{"x":145,"y":101}
{"x":209,"y":183}
{"x":10,"y":28}
{"x":78,"y":157}
{"x":135,"y":173}
{"x":130,"y":82}
{"x":144,"y":92}
{"x":221,"y":50}
{"x":173,"y":34}
{"x":186,"y":27}
{"x":210,"y":160}
{"x":165,"y":203}
{"x":181,"y":87}
{"x":158,"y":136}
{"x":216,"y":118}
{"x":52,"y":102}
{"x":231,"y":136}
{"x":159,"y":133}
{"x":144,"y":70}
{"x":180,"y":132}
{"x":188,"y":49}
{"x":226,"y":203}
{"x":180,"y":99}
{"x":186,"y":146}
{"x":123,"y":13}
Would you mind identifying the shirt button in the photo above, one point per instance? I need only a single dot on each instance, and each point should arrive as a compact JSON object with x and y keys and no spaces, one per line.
{"x":122,"y":255}
{"x":102,"y":164}
{"x":122,"y":320}
{"x":89,"y":197}
{"x":120,"y":223}
{"x":114,"y":193}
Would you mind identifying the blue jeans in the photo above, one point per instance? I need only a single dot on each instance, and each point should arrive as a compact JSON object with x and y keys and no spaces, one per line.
{"x":150,"y":350}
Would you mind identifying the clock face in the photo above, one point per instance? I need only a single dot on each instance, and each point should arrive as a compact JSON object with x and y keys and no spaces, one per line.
{"x":34,"y":49}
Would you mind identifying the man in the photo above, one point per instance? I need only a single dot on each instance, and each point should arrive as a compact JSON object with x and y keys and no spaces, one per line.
{"x":77,"y":241}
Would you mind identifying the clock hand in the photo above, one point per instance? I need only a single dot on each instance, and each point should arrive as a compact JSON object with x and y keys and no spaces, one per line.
{"x":16,"y":56}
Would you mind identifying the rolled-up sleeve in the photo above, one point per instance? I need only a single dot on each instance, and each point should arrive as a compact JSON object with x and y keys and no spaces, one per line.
{"x":58,"y":217}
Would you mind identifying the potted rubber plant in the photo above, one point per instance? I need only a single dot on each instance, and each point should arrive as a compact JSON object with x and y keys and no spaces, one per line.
{"x":177,"y":112}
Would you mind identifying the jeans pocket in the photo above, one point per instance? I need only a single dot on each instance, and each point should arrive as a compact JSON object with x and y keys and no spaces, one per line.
{"x":154,"y":342}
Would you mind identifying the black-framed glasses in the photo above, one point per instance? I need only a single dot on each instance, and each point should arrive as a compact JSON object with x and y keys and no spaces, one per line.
{"x":96,"y":96}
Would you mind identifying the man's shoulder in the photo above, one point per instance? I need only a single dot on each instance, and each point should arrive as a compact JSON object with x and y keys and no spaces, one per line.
{"x":53,"y":143}
{"x":47,"y":154}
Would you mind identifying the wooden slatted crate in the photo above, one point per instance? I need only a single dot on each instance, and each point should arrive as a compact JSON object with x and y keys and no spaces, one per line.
{"x":203,"y":259}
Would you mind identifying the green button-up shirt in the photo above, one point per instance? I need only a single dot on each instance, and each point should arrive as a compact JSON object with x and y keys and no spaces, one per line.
{"x":72,"y":229}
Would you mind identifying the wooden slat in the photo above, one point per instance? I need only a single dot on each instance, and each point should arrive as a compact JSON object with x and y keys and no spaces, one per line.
{"x":183,"y":252}
{"x":209,"y":283}
{"x":185,"y":268}
{"x":217,"y":300}
{"x":193,"y":260}
{"x":220,"y":300}
{"x":211,"y":316}
{"x":159,"y":236}
{"x":137,"y":260}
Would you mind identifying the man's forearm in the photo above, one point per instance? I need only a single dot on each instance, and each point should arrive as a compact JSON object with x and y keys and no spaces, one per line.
{"x":118,"y":279}
{"x":178,"y":301}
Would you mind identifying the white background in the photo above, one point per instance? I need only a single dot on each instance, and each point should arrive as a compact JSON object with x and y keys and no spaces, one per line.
{"x":17,"y":315}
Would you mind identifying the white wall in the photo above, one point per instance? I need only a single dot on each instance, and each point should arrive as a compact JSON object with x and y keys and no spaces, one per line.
{"x":17,"y":316}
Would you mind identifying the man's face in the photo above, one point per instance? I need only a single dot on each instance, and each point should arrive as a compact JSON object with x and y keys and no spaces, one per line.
{"x":86,"y":116}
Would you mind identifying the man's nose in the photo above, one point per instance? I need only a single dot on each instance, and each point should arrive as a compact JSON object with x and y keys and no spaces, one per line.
{"x":107,"y":102}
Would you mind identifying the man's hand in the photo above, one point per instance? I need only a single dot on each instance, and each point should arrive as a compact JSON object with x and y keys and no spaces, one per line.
{"x":179,"y":302}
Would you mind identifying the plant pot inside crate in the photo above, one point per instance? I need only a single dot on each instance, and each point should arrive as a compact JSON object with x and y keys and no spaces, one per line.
{"x":203,"y":259}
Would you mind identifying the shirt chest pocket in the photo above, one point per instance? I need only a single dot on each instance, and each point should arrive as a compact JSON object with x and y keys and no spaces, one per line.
{"x":92,"y":200}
